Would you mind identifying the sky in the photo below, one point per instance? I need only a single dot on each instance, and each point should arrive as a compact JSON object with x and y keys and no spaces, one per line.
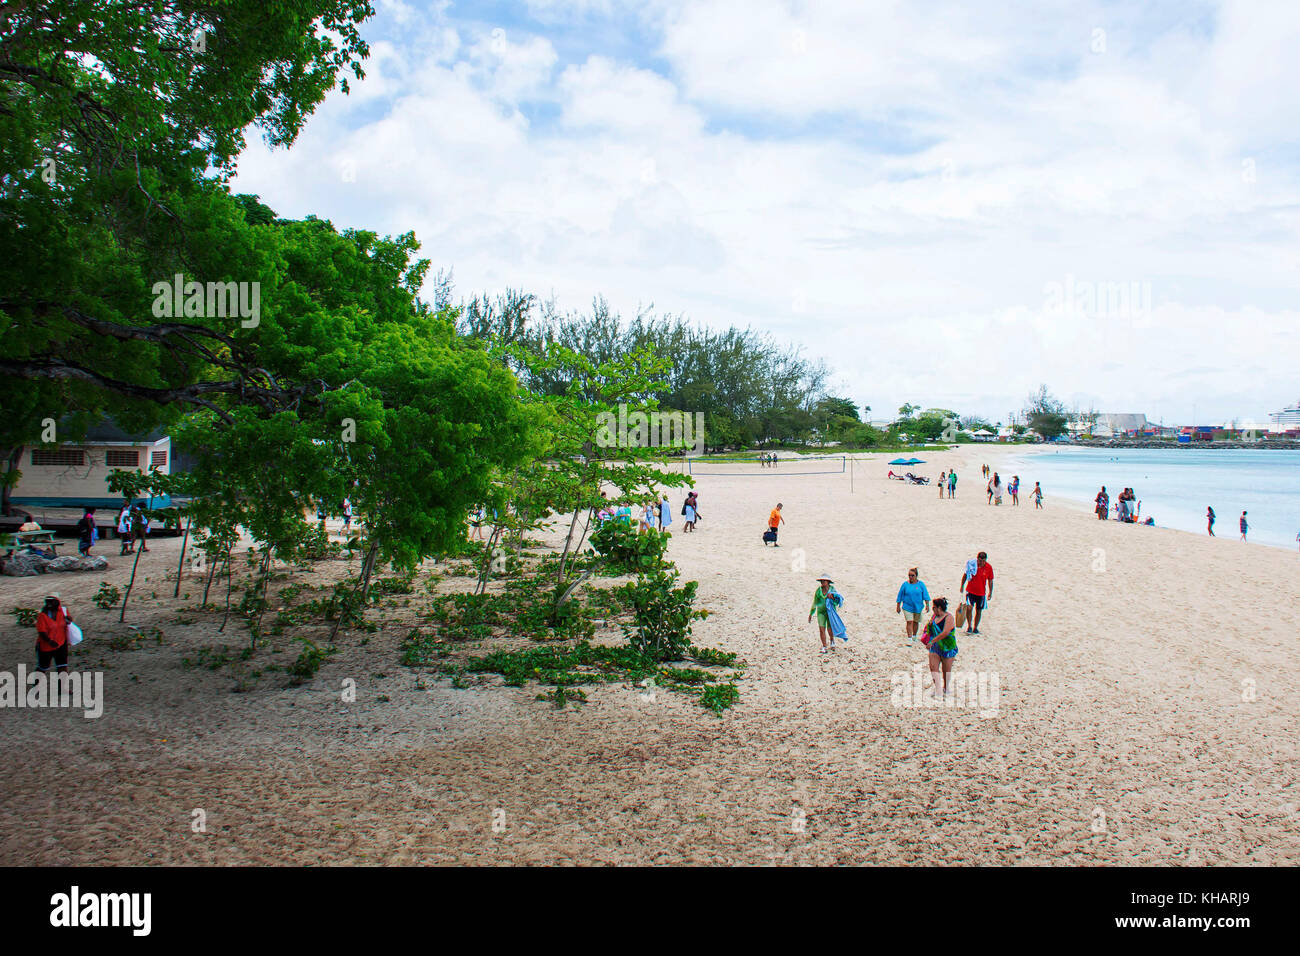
{"x":949,"y":203}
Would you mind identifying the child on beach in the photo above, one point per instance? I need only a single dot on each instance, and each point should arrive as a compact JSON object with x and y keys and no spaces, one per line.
{"x":824,"y":594}
{"x":1038,"y":496}
{"x":941,"y":641}
{"x":1244,"y":527}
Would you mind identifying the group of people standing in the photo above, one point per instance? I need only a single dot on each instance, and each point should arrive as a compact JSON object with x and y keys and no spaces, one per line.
{"x":653,"y":515}
{"x":1127,"y":507}
{"x":996,"y":489}
{"x":132,"y":527}
{"x":767,"y":460}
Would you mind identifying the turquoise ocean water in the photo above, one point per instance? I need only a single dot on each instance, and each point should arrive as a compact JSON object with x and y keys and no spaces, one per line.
{"x":1175,"y":485}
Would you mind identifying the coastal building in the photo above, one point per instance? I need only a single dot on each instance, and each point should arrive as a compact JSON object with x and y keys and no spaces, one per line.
{"x":1129,"y":425}
{"x":75,"y":474}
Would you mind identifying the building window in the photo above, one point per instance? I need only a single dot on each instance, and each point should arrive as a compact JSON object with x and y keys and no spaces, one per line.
{"x":116,"y":458}
{"x":159,"y":460}
{"x":58,"y":456}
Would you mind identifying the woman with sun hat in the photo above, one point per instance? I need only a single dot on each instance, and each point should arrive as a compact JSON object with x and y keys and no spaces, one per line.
{"x":825,"y":602}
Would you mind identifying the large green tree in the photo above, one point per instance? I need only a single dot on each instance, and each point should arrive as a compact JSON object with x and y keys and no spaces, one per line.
{"x":118,"y":120}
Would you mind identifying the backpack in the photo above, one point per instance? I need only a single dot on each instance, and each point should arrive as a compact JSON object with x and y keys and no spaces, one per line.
{"x":769,"y":536}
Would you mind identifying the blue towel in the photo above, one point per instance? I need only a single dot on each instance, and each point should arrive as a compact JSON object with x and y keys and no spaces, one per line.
{"x":833,"y":616}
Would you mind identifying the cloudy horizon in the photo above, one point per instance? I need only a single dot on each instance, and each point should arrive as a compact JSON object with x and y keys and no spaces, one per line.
{"x":949,"y":203}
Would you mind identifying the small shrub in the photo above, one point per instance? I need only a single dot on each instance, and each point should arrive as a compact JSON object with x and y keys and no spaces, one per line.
{"x":310,"y":660}
{"x":107,"y":596}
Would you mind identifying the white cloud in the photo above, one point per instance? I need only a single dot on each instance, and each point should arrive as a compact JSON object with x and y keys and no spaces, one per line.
{"x":892,"y":188}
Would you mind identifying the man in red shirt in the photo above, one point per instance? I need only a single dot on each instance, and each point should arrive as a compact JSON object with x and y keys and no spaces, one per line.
{"x":52,"y":636}
{"x":978,"y":588}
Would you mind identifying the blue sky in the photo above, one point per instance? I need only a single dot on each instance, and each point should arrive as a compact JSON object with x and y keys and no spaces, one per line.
{"x":899,"y":187}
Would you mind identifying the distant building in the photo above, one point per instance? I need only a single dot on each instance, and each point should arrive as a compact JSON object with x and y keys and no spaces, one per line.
{"x":75,"y":474}
{"x":1128,"y":425}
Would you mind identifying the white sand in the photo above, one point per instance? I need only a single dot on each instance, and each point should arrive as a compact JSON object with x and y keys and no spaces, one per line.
{"x":1146,"y":713}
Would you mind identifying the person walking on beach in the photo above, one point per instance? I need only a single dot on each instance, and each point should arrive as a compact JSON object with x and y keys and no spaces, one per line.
{"x":941,"y":641}
{"x":1014,"y":488}
{"x":774,"y":521}
{"x":140,"y":528}
{"x":912,"y":599}
{"x":124,"y":535}
{"x":1244,"y":527}
{"x":978,"y":588}
{"x":989,"y":489}
{"x":1209,"y":519}
{"x":997,"y":489}
{"x":52,"y":636}
{"x":952,"y":484}
{"x":1038,"y":496}
{"x":688,"y":513}
{"x":1103,"y":504}
{"x":87,"y":533}
{"x":824,"y":594}
{"x":665,"y":514}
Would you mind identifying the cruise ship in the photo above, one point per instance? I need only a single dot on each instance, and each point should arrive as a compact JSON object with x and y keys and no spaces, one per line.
{"x":1288,"y":417}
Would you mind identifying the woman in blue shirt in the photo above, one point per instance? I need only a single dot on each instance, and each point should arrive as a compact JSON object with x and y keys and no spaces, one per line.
{"x":913,"y":597}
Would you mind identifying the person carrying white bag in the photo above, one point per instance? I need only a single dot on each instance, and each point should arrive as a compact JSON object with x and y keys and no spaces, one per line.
{"x":55,"y":633}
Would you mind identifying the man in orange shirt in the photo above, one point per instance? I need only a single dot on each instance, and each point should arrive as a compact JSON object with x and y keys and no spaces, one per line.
{"x":774,"y":520}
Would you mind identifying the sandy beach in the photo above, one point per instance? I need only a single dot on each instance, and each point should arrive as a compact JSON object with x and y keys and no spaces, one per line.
{"x":1144,"y":714}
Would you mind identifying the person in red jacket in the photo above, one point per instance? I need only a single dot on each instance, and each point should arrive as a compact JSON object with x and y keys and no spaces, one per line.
{"x":52,"y":636}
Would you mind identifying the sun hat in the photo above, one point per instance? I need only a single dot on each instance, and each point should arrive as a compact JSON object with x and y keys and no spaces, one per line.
{"x":832,"y":580}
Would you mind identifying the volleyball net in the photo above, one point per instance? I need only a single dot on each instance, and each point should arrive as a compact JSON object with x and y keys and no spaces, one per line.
{"x":821,"y":465}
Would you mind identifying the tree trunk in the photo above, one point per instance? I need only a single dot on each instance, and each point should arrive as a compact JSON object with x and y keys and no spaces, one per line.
{"x":212,"y":569}
{"x":122,"y":617}
{"x":12,"y":457}
{"x":180,"y":568}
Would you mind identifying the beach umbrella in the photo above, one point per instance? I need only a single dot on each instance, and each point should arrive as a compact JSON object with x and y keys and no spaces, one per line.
{"x":901,"y":461}
{"x":915,"y":461}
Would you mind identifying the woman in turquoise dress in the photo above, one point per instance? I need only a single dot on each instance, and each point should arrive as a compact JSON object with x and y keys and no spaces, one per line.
{"x":941,"y":640}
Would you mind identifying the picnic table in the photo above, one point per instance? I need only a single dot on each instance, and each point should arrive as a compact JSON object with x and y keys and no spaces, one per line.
{"x":45,"y":537}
